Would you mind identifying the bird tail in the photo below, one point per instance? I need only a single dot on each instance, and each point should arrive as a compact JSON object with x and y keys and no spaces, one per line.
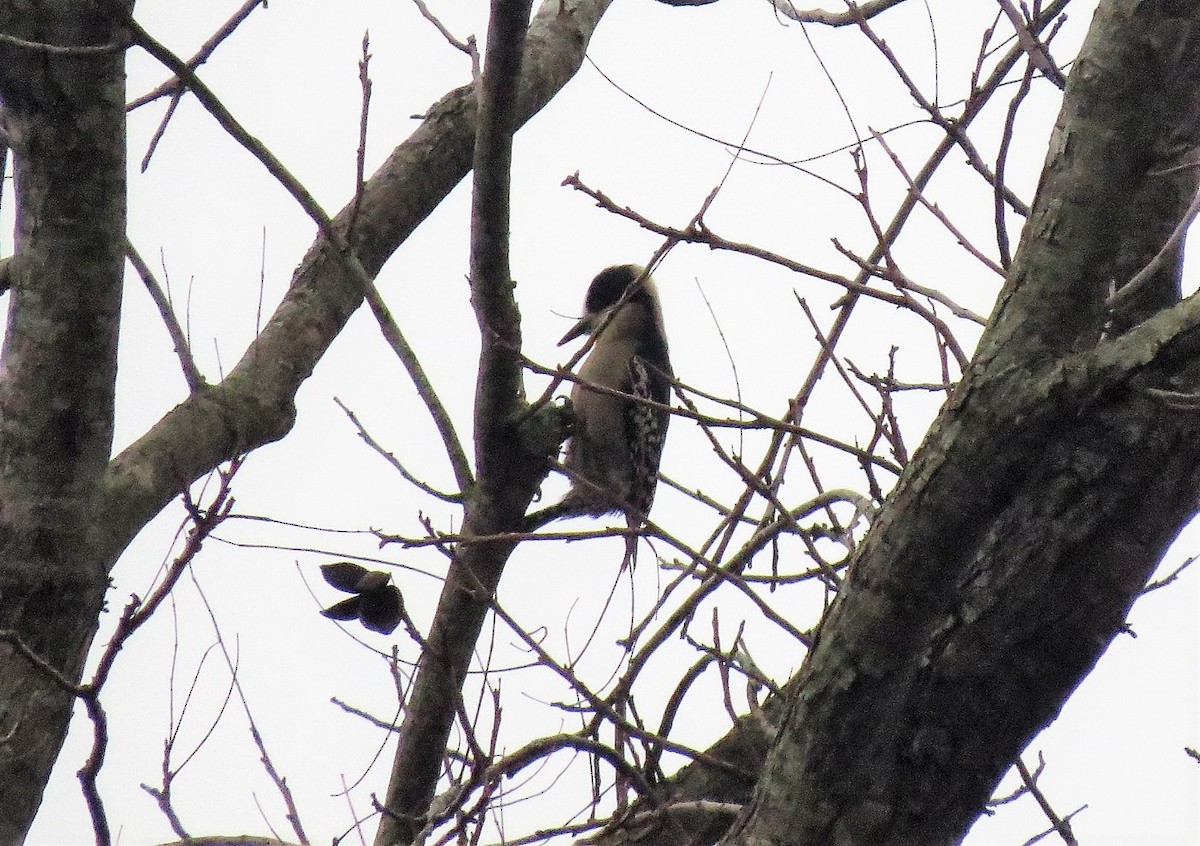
{"x":572,"y":506}
{"x":566,"y":507}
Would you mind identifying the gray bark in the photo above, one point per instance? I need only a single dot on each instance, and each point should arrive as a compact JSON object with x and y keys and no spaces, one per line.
{"x":68,"y":511}
{"x":1008,"y":555}
{"x":65,"y":120}
{"x":512,"y":448}
{"x":1001,"y":567}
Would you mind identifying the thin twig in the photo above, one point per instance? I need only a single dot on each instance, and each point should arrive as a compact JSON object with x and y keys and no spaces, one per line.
{"x":833,"y":19}
{"x":61,"y":49}
{"x":1039,"y":54}
{"x":191,"y":373}
{"x":936,"y":211}
{"x":292,"y":814}
{"x":256,"y":148}
{"x":1143,"y":276}
{"x":459,"y":464}
{"x":360,"y":158}
{"x":392,"y":460}
{"x":175,"y":84}
{"x":1006,"y":137}
{"x":468,"y":47}
{"x":1060,"y":824}
{"x":136,"y":613}
{"x":955,"y":128}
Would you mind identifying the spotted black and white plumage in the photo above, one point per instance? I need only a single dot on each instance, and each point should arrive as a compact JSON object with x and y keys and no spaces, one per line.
{"x":645,"y":431}
{"x":614,"y":452}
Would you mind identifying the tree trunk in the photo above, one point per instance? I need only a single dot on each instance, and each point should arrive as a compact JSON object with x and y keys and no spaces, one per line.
{"x":64,"y":114}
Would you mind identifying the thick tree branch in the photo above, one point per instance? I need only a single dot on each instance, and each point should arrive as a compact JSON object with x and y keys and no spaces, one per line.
{"x":1009,"y":554}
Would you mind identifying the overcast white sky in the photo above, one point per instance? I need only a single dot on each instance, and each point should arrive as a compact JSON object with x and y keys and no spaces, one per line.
{"x":207,"y":209}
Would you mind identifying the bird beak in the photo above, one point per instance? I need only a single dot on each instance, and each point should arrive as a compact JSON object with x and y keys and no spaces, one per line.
{"x":581,"y":328}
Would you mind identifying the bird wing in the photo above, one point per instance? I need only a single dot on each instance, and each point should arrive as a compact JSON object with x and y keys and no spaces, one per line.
{"x":646,"y":429}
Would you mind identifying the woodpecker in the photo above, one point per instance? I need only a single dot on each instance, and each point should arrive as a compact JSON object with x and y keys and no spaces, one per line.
{"x":614,"y":452}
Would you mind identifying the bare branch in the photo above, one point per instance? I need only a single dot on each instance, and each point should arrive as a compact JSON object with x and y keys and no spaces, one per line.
{"x":1010,"y":120}
{"x":392,"y":460}
{"x":856,"y":12}
{"x":1060,"y":824}
{"x":176,"y":85}
{"x":136,"y":613}
{"x":506,"y":481}
{"x":941,"y":216}
{"x":13,"y":638}
{"x":1039,"y":55}
{"x":237,"y":132}
{"x":280,"y":782}
{"x":229,"y":840}
{"x":1169,"y":249}
{"x":60,"y":49}
{"x":468,"y":47}
{"x":459,"y":463}
{"x":191,"y":373}
{"x":360,"y":159}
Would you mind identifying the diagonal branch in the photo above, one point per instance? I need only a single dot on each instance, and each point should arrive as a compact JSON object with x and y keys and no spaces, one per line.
{"x":192,"y":374}
{"x":862,"y":11}
{"x":177,"y":84}
{"x":441,"y":418}
{"x":254,"y":404}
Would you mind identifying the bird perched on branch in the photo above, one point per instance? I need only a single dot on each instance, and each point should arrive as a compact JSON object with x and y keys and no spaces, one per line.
{"x":614,"y":451}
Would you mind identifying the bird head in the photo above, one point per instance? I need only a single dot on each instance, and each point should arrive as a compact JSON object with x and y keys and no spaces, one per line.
{"x":606,"y":290}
